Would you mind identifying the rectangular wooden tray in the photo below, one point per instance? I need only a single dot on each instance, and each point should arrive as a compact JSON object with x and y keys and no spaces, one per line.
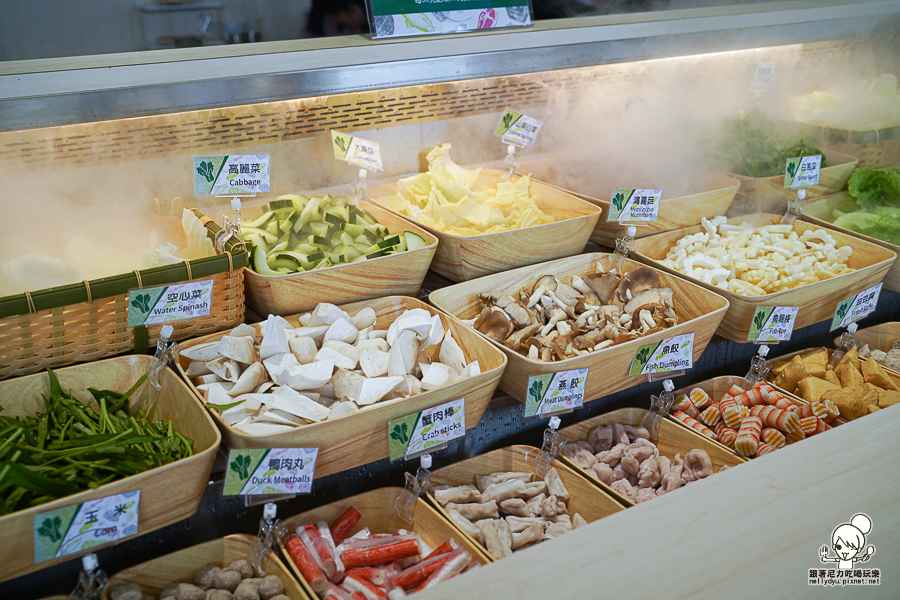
{"x":816,"y":301}
{"x":819,"y":212}
{"x":461,"y":258}
{"x":768,"y":194}
{"x":710,"y":194}
{"x":894,"y":375}
{"x":716,"y":388}
{"x":362,"y":437}
{"x":395,"y":274}
{"x":699,"y":311}
{"x":672,"y":440}
{"x":380,"y":516}
{"x":168,"y":494}
{"x":878,"y":337}
{"x":584,"y":498}
{"x":179,"y":567}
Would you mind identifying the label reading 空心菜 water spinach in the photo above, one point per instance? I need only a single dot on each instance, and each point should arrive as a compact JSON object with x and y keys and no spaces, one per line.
{"x":151,"y":306}
{"x":631,"y":205}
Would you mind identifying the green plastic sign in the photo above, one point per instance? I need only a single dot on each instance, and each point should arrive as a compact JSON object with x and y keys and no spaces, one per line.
{"x":629,"y":205}
{"x":231,"y":175}
{"x":150,"y":306}
{"x":671,"y":354}
{"x":772,"y":324}
{"x":517,"y":129}
{"x":86,"y":526}
{"x":552,"y":393}
{"x":420,"y":432}
{"x":356,"y":151}
{"x":802,"y":171}
{"x":856,"y":307}
{"x":399,"y":18}
{"x":261,"y":472}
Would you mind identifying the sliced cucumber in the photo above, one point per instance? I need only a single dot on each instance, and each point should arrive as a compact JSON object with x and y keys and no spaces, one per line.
{"x":262,"y":221}
{"x":389,"y":242}
{"x":259,"y":262}
{"x":414,"y":241}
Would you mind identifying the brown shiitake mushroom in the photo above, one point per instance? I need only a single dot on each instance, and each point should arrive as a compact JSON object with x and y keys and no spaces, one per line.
{"x":603,"y":284}
{"x":636,"y":281}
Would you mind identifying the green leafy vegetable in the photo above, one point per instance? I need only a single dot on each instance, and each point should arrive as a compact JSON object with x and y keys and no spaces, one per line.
{"x":755,"y":147}
{"x":875,"y":187}
{"x":69,"y":447}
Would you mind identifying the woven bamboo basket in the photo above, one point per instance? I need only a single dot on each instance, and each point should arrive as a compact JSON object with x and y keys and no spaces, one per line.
{"x":894,"y":375}
{"x":393,"y":275}
{"x":816,"y":301}
{"x":699,"y":311}
{"x":362,"y":437}
{"x":88,"y":321}
{"x":878,"y":337}
{"x":708,"y":194}
{"x":380,"y":516}
{"x":672,"y":440}
{"x":584,"y":498}
{"x":179,"y":567}
{"x":168,"y":494}
{"x":461,"y":258}
{"x":768,"y":194}
{"x":875,"y":148}
{"x":820,"y":213}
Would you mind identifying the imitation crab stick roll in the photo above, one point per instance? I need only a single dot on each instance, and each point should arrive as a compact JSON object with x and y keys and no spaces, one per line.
{"x":773,"y":437}
{"x":813,"y":425}
{"x":765,"y":448}
{"x":711,"y":416}
{"x":731,"y":413}
{"x":695,"y":425}
{"x":747,"y":440}
{"x":781,"y":420}
{"x":813,"y":409}
{"x":700,"y":398}
{"x":725,"y":434}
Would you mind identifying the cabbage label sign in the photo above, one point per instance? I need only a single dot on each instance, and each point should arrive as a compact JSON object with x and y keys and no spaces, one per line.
{"x":80,"y":527}
{"x":427,"y":430}
{"x":400,"y":18}
{"x":261,"y":472}
{"x":231,"y":175}
{"x":518,"y":129}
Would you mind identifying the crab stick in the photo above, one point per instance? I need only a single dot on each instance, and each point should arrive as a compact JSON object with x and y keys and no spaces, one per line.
{"x":773,"y":437}
{"x":813,"y":425}
{"x":725,"y":434}
{"x":765,"y":448}
{"x":370,"y":574}
{"x":456,"y":562}
{"x":306,"y":564}
{"x":320,"y":550}
{"x":782,"y":420}
{"x":444,"y":548}
{"x":747,"y":440}
{"x":700,"y":398}
{"x":414,"y":576}
{"x":731,"y":414}
{"x":356,"y":583}
{"x":390,"y":549}
{"x":695,"y":425}
{"x":344,"y":524}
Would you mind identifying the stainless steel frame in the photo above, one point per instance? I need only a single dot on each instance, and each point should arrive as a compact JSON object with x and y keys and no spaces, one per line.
{"x":65,"y":91}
